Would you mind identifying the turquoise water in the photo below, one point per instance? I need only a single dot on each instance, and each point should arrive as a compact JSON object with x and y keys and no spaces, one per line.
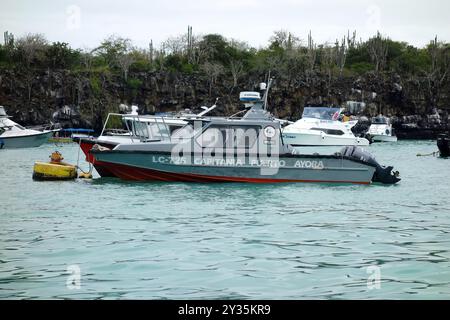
{"x":194,"y":241}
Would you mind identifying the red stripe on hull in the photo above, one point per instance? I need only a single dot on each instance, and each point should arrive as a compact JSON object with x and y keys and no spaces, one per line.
{"x":140,"y":174}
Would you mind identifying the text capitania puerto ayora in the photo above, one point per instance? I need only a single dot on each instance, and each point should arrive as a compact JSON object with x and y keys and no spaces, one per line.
{"x":238,"y":162}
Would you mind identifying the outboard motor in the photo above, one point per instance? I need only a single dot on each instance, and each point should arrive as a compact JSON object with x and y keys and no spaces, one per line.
{"x":382,"y":174}
{"x":443,"y":145}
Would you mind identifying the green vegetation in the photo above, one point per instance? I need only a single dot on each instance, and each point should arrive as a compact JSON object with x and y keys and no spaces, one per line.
{"x":287,"y":57}
{"x":284,"y":52}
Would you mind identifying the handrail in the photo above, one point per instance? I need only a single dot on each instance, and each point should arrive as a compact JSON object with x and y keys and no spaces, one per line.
{"x":168,"y":129}
{"x":137,"y":130}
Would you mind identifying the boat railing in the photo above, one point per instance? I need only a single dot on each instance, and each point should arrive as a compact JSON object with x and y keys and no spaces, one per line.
{"x":139,"y":127}
{"x":235,"y":115}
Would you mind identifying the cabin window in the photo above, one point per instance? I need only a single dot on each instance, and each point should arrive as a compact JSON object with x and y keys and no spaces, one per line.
{"x":158,"y":130}
{"x":245,"y":137}
{"x":330,"y":131}
{"x":213,"y":137}
{"x":379,"y":120}
{"x":184,"y":132}
{"x":242,"y":137}
{"x":174,"y":128}
{"x":141,"y":130}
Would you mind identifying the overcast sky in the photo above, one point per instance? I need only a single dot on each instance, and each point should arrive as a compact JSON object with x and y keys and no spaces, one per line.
{"x":84,"y":23}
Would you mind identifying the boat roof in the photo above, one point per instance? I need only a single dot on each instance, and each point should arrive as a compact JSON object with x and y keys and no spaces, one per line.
{"x":77,"y":130}
{"x":157,"y":119}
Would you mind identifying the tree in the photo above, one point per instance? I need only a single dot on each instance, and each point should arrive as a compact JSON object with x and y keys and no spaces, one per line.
{"x":124,"y":61}
{"x":328,"y":61}
{"x":31,"y":47}
{"x":176,"y":45}
{"x":60,"y":55}
{"x":437,"y":73}
{"x":87,"y":58}
{"x":284,"y":39}
{"x":378,"y":50}
{"x":341,"y":54}
{"x":237,"y":70}
{"x":214,"y":46}
{"x":212,"y":70}
{"x":112,"y":48}
{"x":311,"y":56}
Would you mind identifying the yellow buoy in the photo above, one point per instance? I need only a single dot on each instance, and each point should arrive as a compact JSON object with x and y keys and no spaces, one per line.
{"x":55,"y":169}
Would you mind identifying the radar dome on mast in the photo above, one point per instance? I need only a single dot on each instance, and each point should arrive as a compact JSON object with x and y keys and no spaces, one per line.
{"x":249,"y":96}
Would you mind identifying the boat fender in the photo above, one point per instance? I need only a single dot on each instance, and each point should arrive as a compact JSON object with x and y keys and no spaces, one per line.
{"x":99,"y":148}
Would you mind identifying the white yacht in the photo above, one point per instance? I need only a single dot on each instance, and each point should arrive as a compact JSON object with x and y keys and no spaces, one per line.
{"x":13,"y":135}
{"x":381,"y":130}
{"x":320,"y":126}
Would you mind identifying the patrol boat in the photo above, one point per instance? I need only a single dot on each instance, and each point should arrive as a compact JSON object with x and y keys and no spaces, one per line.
{"x":248,"y":149}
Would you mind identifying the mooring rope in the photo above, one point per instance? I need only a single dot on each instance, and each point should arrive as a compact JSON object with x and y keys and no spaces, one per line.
{"x":78,"y":161}
{"x":434,"y":154}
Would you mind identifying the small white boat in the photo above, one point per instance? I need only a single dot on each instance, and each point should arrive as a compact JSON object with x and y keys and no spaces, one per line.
{"x":319,"y":126}
{"x":381,"y":130}
{"x":13,"y":135}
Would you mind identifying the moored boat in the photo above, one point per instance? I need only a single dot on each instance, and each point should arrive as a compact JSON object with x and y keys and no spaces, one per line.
{"x":13,"y":135}
{"x":381,"y":130}
{"x":320,"y":126}
{"x":250,"y":149}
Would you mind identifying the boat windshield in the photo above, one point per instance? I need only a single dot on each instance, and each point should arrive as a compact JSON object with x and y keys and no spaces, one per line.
{"x":322,"y":113}
{"x":18,"y":126}
{"x":380,"y":120}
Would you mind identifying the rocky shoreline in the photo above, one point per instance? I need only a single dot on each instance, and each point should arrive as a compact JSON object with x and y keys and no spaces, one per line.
{"x":81,"y":99}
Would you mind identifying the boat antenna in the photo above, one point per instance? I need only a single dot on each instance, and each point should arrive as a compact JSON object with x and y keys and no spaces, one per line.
{"x":266,"y":94}
{"x":206,"y":110}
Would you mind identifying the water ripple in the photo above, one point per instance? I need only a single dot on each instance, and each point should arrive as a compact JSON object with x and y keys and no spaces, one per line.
{"x":225,"y":241}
